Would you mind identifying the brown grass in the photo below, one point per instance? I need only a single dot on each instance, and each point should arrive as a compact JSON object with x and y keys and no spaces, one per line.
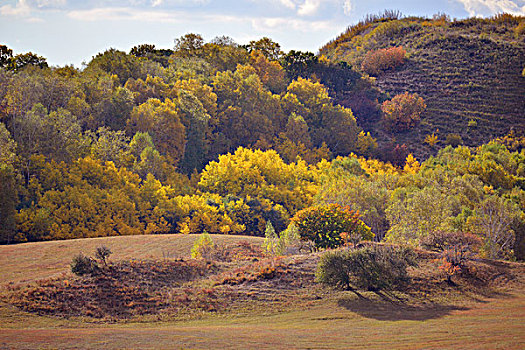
{"x":483,"y":309}
{"x":495,"y":324}
{"x":25,"y":263}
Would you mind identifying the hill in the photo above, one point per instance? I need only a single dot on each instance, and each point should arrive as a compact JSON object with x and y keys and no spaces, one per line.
{"x":250,"y":302}
{"x":469,"y":73}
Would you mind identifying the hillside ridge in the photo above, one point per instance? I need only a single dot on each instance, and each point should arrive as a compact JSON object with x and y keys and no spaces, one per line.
{"x":466,"y":70}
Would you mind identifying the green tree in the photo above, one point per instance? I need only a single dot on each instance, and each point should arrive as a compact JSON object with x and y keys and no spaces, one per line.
{"x":224,"y":54}
{"x":143,"y":50}
{"x":7,"y":146}
{"x":269,"y":48}
{"x":110,"y":146}
{"x":367,"y":195}
{"x":412,"y":218}
{"x":188,"y":45}
{"x":162,"y":121}
{"x":6,"y":54}
{"x":493,"y":221}
{"x":117,"y":62}
{"x":334,"y":125}
{"x":8,"y":188}
{"x":195,"y":120}
{"x":247,"y":112}
{"x":20,"y":61}
{"x":323,"y":225}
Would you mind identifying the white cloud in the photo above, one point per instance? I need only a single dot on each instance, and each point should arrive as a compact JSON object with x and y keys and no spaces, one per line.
{"x":122,"y":13}
{"x":347,"y":7}
{"x":50,"y":3}
{"x":309,"y":8}
{"x":35,"y":20}
{"x":21,"y":9}
{"x":25,"y":8}
{"x":283,"y":24}
{"x":138,"y":15}
{"x":491,"y":7}
{"x":288,"y":4}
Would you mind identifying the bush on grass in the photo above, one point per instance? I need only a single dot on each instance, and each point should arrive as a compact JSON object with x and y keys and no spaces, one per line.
{"x":370,"y":268}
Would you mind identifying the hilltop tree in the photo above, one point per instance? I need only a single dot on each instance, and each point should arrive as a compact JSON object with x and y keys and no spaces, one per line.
{"x":189,"y":45}
{"x":298,"y":64}
{"x":142,"y":50}
{"x":223,"y":53}
{"x":27,"y":59}
{"x":6,"y":54}
{"x":266,"y":46}
{"x":117,"y":62}
{"x":271,"y":73}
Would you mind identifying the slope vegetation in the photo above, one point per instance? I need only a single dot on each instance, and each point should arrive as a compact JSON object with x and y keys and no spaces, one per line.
{"x":468,"y":71}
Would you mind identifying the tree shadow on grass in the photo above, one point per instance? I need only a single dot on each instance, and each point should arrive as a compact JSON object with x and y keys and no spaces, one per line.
{"x":395,"y":310}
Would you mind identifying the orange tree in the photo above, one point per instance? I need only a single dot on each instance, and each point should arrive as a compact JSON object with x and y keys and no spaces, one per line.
{"x":403,"y":111}
{"x":381,"y":60}
{"x":324,"y":225}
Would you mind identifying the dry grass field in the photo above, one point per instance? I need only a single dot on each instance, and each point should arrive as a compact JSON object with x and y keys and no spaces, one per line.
{"x":461,"y":317}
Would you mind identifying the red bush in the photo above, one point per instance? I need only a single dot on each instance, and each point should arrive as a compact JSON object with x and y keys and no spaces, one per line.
{"x":378,"y":61}
{"x":403,"y":111}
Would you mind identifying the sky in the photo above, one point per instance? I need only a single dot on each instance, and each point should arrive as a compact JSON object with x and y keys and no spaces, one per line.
{"x":72,"y":31}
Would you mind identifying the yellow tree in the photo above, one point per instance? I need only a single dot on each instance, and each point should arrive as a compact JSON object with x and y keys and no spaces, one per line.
{"x":334,"y":125}
{"x":247,"y":112}
{"x":163,"y":122}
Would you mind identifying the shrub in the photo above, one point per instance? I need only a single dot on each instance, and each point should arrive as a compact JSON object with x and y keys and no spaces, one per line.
{"x":102,"y":253}
{"x":324,"y":224}
{"x":381,"y":60}
{"x":203,"y":247}
{"x":454,"y":140}
{"x":443,"y":240}
{"x":452,"y":261}
{"x":394,"y":153}
{"x":370,"y":268}
{"x":432,"y":139}
{"x":83,"y":265}
{"x":403,"y":111}
{"x":287,"y":242}
{"x":455,"y":246}
{"x":266,"y":269}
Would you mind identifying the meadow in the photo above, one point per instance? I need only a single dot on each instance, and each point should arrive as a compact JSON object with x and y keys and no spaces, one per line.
{"x":331,"y":320}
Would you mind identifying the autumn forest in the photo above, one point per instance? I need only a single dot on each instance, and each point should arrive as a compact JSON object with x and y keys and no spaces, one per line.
{"x":231,"y":139}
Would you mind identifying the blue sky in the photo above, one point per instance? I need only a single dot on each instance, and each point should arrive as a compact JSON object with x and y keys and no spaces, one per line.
{"x":72,"y":31}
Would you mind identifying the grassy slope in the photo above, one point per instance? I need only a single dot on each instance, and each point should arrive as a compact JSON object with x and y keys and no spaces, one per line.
{"x":25,"y":263}
{"x":466,"y":70}
{"x":332,"y":323}
{"x":495,"y":325}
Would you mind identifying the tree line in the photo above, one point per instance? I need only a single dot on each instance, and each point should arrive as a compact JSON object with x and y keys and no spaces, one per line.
{"x":224,"y":138}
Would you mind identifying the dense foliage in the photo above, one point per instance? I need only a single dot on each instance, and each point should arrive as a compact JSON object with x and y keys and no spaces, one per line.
{"x":378,"y":61}
{"x":324,"y":225}
{"x":227,"y":139}
{"x":378,"y":267}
